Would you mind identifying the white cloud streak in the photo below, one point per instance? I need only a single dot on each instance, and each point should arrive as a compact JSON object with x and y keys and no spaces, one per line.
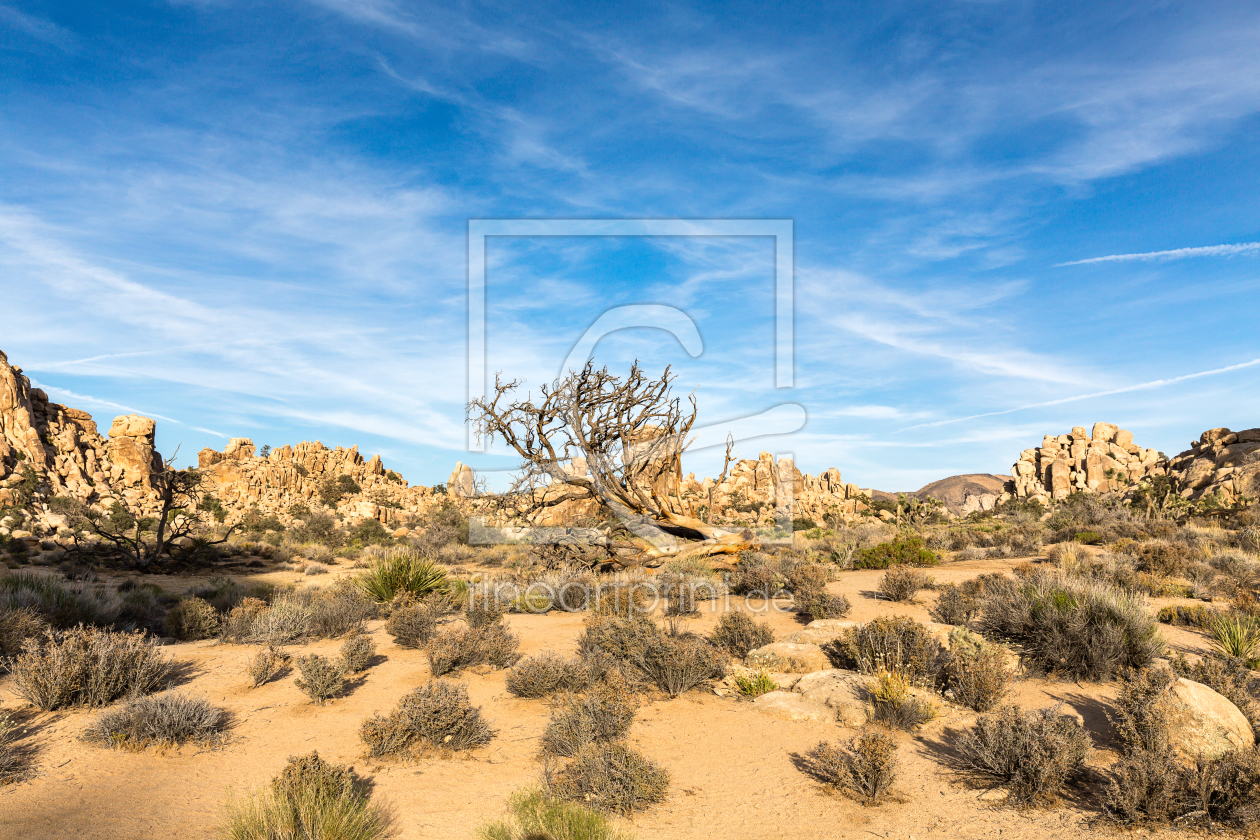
{"x":1175,"y":254}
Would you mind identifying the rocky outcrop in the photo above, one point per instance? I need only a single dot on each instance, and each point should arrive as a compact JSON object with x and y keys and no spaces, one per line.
{"x":1102,"y":460}
{"x":66,"y":453}
{"x":763,"y":486}
{"x":1220,"y":463}
{"x":310,"y":474}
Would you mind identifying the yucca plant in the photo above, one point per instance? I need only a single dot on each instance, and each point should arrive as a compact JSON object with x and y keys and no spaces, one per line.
{"x":402,"y":571}
{"x":1237,"y":635}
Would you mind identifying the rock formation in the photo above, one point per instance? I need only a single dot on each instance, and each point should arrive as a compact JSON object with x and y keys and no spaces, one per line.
{"x":1220,"y":463}
{"x":1088,"y":462}
{"x":66,"y":452}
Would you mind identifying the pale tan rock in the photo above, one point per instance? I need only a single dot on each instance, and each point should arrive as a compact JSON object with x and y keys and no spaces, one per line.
{"x":1124,"y":438}
{"x":1204,"y":723}
{"x":1104,"y":432}
{"x":789,"y":657}
{"x":844,"y":692}
{"x":789,"y":706}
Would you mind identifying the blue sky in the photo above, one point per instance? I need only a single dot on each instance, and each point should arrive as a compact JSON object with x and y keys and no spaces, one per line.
{"x":250,"y":219}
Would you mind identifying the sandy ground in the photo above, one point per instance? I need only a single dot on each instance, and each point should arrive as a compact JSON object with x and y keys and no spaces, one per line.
{"x":732,"y":766}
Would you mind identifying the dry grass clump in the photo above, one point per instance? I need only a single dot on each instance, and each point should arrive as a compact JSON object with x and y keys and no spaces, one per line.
{"x":158,"y":720}
{"x":610,"y":777}
{"x":676,"y":664}
{"x":457,"y":648}
{"x":483,"y":613}
{"x":956,"y":605}
{"x":737,"y":634}
{"x":901,"y":583}
{"x":356,"y":653}
{"x":535,"y":815}
{"x":546,"y":674}
{"x":892,"y":703}
{"x":266,"y":664}
{"x":438,"y":713}
{"x":315,"y":569}
{"x":192,"y":619}
{"x":60,"y":603}
{"x":14,"y":760}
{"x":1033,"y":754}
{"x":16,"y":626}
{"x":600,"y":718}
{"x":755,"y":577}
{"x":338,"y":611}
{"x":818,"y":604}
{"x":892,"y":643}
{"x":309,"y":799}
{"x":412,"y":623}
{"x":977,"y":676}
{"x":87,"y":667}
{"x":621,"y":640}
{"x":1179,"y":615}
{"x":865,"y":768}
{"x":1078,"y":628}
{"x":321,"y":680}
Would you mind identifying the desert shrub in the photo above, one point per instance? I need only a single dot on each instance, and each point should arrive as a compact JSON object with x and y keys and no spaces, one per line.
{"x":402,"y":570}
{"x":892,"y":643}
{"x":1087,"y":537}
{"x":220,"y":591}
{"x":537,"y":815}
{"x":14,"y":760}
{"x":902,"y":551}
{"x":339,"y":610}
{"x":60,"y":603}
{"x":806,"y":577}
{"x":1139,"y":716}
{"x":737,"y":633}
{"x":610,"y":777}
{"x":87,"y":667}
{"x":1162,"y":559}
{"x":321,"y":680}
{"x":412,"y":623}
{"x":755,"y":577}
{"x":902,"y":584}
{"x":309,"y":799}
{"x":756,"y":684}
{"x":623,"y":640}
{"x":865,"y":768}
{"x":1078,"y":628}
{"x":954,"y":606}
{"x":891,"y":702}
{"x":457,"y":648}
{"x":818,"y":604}
{"x":238,"y":626}
{"x":266,"y":664}
{"x":678,"y":664}
{"x":192,"y":619}
{"x":1196,"y":615}
{"x":546,"y":674}
{"x":600,"y":718}
{"x":158,"y":720}
{"x":1236,"y":635}
{"x":16,"y":626}
{"x":482,"y":613}
{"x":356,"y":653}
{"x":1149,"y":787}
{"x":1034,"y":753}
{"x":438,"y":713}
{"x":978,"y":678}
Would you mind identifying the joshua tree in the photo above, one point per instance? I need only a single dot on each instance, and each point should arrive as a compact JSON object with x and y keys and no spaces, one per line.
{"x":593,"y":437}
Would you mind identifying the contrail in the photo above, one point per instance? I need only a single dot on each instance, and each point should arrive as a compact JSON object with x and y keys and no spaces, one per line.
{"x":1156,"y":383}
{"x":1175,"y":254}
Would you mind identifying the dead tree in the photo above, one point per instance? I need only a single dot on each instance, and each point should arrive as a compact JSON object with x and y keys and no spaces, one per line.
{"x":144,"y":540}
{"x":628,"y":434}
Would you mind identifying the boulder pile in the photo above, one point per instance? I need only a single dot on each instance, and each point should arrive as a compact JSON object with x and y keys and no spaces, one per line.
{"x":1098,"y":461}
{"x":1220,"y":463}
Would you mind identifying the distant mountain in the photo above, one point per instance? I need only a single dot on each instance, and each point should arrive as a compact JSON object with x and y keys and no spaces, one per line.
{"x":960,"y":493}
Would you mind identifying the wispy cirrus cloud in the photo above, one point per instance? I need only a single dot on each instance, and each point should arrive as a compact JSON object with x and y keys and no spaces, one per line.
{"x":1243,"y":248}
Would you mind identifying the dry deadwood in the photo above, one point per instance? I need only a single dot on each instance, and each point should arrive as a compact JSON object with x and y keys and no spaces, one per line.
{"x":594,"y":437}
